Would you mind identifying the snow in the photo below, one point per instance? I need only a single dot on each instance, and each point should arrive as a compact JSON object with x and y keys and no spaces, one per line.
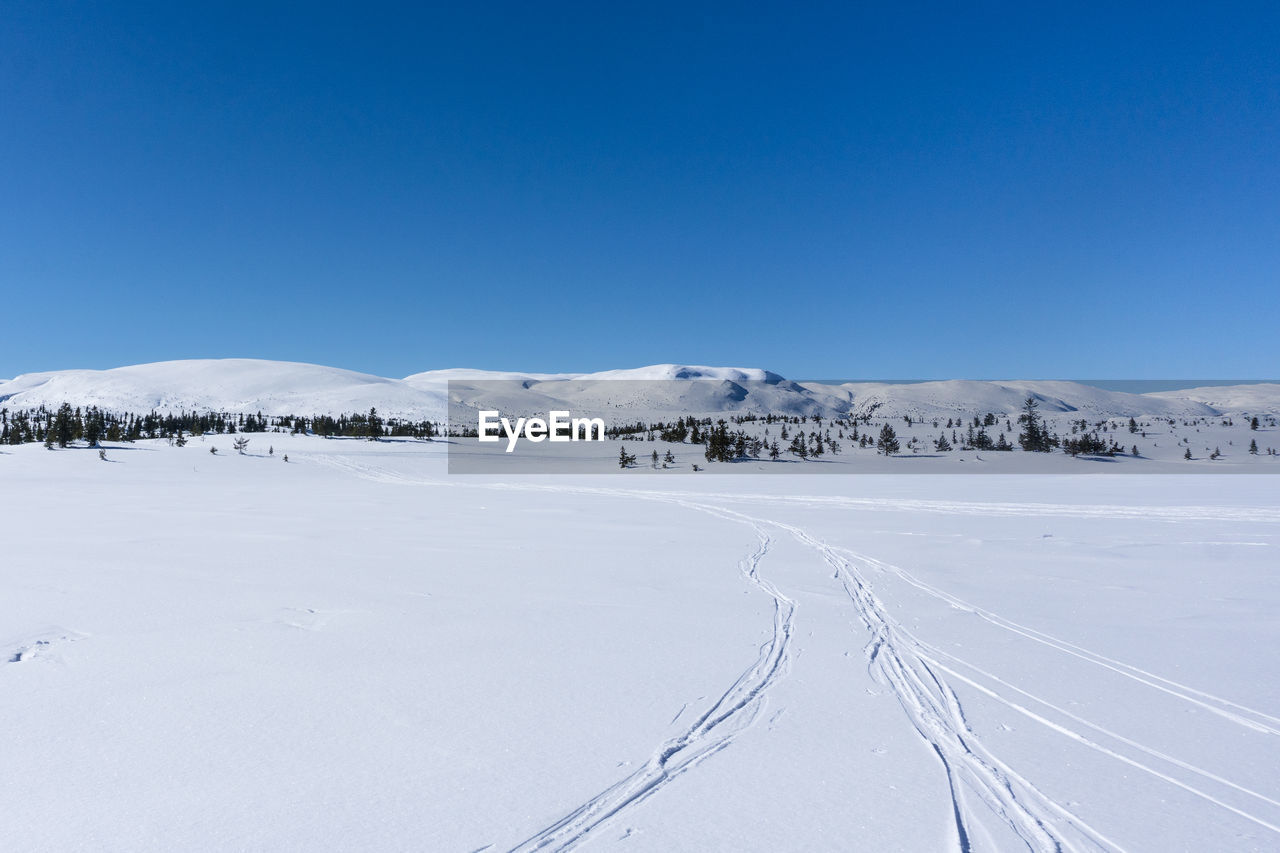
{"x":354,"y":650}
{"x":435,"y":379}
{"x":668,"y":372}
{"x":276,"y":388}
{"x":1254,"y":399}
{"x":235,"y":385}
{"x":651,"y":373}
{"x":933,"y":399}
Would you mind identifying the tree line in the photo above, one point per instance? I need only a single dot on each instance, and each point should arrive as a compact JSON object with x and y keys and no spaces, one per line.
{"x":66,"y":424}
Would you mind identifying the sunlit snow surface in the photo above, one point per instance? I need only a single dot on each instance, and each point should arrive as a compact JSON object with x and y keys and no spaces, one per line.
{"x":353,"y":650}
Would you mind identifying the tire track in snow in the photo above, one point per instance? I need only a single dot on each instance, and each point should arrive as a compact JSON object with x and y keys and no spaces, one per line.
{"x":716,"y":729}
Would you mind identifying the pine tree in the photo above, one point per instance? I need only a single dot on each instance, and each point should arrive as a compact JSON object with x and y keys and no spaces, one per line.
{"x":888,"y":441}
{"x":942,"y":445}
{"x":94,"y":426}
{"x":1253,"y":446}
{"x":63,"y":426}
{"x":1034,"y":437}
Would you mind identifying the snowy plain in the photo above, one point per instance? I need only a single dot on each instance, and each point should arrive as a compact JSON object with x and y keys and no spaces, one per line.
{"x":354,"y":650}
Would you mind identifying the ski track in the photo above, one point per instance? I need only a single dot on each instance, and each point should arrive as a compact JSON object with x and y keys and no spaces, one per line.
{"x":1240,"y":714}
{"x":928,"y":656}
{"x":894,"y":660}
{"x":1259,"y":514}
{"x":911,"y":668}
{"x":715,"y":730}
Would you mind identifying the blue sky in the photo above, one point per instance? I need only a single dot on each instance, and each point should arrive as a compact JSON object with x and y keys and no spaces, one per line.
{"x":824,"y":191}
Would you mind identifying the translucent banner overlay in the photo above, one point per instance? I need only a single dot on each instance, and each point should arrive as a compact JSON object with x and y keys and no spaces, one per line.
{"x":669,"y":427}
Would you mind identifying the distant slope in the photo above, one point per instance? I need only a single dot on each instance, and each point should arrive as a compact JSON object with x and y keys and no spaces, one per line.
{"x":1257,"y":399}
{"x":969,"y":397}
{"x":236,"y":385}
{"x":278,"y":387}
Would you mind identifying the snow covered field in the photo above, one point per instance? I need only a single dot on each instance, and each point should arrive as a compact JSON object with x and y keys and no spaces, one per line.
{"x":353,"y":650}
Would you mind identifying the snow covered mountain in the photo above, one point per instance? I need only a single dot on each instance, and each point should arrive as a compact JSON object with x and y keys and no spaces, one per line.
{"x":235,"y":385}
{"x":934,"y":399}
{"x":1257,"y":399}
{"x":276,"y":387}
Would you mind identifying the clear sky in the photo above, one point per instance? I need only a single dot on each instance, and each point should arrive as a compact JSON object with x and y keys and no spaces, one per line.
{"x":823,"y":190}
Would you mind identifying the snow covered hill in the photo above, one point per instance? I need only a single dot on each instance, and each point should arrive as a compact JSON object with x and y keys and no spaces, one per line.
{"x":235,"y":385}
{"x":276,"y":388}
{"x":1257,"y":399}
{"x":934,"y":399}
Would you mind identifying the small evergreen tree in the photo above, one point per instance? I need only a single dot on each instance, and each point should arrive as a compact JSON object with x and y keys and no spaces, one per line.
{"x":888,"y":441}
{"x":64,"y":425}
{"x":625,"y":459}
{"x":1034,"y":436}
{"x":94,"y":427}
